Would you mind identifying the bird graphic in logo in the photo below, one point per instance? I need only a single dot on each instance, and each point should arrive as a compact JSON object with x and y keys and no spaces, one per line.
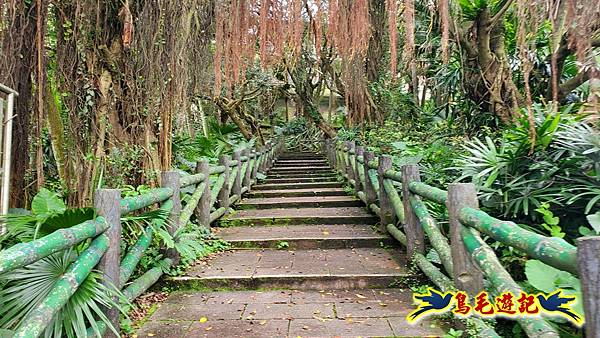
{"x":431,"y":302}
{"x":557,"y":302}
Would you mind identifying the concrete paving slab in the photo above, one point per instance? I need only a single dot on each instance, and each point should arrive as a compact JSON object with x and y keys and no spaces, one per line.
{"x":192,"y":311}
{"x":289,"y":311}
{"x":239,"y":328}
{"x":159,"y":329}
{"x":371,"y":327}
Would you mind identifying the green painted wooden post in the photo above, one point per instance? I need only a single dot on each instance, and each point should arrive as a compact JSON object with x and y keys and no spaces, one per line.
{"x":107,"y":204}
{"x":236,"y":188}
{"x":386,"y":210}
{"x":350,"y":164}
{"x":333,"y":154}
{"x":467,"y":275}
{"x":339,"y":156}
{"x":261,"y":159}
{"x":588,"y":261}
{"x":359,"y":184}
{"x":370,"y":193}
{"x":247,"y":175}
{"x":412,"y":228}
{"x":325,"y":147}
{"x":202,"y":211}
{"x":223,"y":196}
{"x":170,"y":179}
{"x":256,"y":159}
{"x":267,"y":157}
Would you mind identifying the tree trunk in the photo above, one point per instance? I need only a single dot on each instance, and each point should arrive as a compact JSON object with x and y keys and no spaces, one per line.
{"x":16,"y":67}
{"x":487,"y":75}
{"x":376,"y":51}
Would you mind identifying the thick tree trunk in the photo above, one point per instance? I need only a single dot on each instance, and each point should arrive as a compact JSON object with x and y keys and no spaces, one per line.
{"x":376,"y":51}
{"x":16,"y":68}
{"x":487,"y":74}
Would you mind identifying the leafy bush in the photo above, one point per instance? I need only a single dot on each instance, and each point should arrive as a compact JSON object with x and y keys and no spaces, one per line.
{"x":300,"y":135}
{"x":221,"y":139}
{"x":558,"y":173}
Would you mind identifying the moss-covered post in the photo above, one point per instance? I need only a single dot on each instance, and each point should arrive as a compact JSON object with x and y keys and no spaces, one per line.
{"x":327,"y":150}
{"x":170,"y":179}
{"x":343,"y":155}
{"x":414,"y":232}
{"x":246,"y":179}
{"x":255,"y":158}
{"x":203,"y":208}
{"x":467,"y":276}
{"x":223,"y":196}
{"x":271,"y":153}
{"x":350,"y":161}
{"x":262,"y":159}
{"x":359,"y":152}
{"x":339,"y":156}
{"x":332,"y":153}
{"x":588,"y":261}
{"x":386,"y":214}
{"x":370,"y":193}
{"x":107,"y":204}
{"x":236,"y":187}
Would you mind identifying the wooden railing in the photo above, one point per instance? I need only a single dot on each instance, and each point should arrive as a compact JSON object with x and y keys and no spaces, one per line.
{"x":396,"y":197}
{"x":233,"y":177}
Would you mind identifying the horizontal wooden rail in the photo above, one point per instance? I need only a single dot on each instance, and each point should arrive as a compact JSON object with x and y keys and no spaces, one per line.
{"x":23,"y":254}
{"x":192,"y":179}
{"x":149,"y":198}
{"x":550,"y":250}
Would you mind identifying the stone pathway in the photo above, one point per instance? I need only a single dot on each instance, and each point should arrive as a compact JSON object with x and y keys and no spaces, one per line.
{"x":307,"y":263}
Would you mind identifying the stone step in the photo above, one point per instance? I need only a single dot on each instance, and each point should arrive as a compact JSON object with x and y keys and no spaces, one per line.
{"x":340,"y":215}
{"x":288,"y":313}
{"x":319,"y":269}
{"x":299,"y":202}
{"x":308,"y":168}
{"x":297,"y":193}
{"x":273,"y":180}
{"x":294,"y":156}
{"x":308,"y":185}
{"x":302,"y":175}
{"x":295,"y":237}
{"x":300,"y":163}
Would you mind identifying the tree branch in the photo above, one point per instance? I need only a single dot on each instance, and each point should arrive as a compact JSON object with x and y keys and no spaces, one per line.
{"x":498,"y":16}
{"x":565,"y":88}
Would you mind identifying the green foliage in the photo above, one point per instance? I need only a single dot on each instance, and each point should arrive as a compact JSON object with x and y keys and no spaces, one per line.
{"x":48,"y":214}
{"x":124,"y":166}
{"x":550,"y":221}
{"x":548,"y":279}
{"x":282,"y":245}
{"x":221,"y":139}
{"x":300,"y":135}
{"x":452,"y":333}
{"x":25,"y":288}
{"x":432,"y":145}
{"x":594,"y":220}
{"x":558,"y":174}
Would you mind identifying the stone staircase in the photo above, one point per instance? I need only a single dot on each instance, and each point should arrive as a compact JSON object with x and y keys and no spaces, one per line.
{"x":309,"y":261}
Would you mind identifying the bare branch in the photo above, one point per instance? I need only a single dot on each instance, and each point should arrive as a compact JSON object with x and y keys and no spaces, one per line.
{"x":498,"y":16}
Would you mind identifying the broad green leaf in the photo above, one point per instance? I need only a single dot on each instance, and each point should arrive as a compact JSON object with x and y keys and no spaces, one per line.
{"x":548,"y":279}
{"x":47,"y":203}
{"x":594,"y":220}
